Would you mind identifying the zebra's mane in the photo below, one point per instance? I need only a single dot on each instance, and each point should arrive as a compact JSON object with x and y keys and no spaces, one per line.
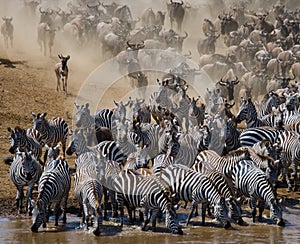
{"x":238,"y":152}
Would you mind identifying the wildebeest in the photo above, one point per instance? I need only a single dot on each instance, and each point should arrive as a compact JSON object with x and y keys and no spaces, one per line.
{"x":7,"y":30}
{"x":62,"y":71}
{"x":228,"y":24}
{"x":46,"y":35}
{"x":176,"y":13}
{"x":207,"y":45}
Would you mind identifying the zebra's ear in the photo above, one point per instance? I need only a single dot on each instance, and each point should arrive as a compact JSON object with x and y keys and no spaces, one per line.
{"x":10,"y":129}
{"x":71,"y":131}
{"x":47,"y":147}
{"x":68,"y":57}
{"x":33,"y":115}
{"x":43,"y":115}
{"x":77,"y":106}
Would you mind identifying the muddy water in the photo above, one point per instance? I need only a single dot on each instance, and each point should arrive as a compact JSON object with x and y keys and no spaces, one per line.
{"x":18,"y":231}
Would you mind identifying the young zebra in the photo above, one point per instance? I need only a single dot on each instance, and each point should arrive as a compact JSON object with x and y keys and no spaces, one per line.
{"x":195,"y":187}
{"x":25,"y":141}
{"x":24,"y":171}
{"x":251,"y":182}
{"x":248,"y":112}
{"x":52,"y":131}
{"x":138,"y":191}
{"x":54,"y":187}
{"x":62,"y":72}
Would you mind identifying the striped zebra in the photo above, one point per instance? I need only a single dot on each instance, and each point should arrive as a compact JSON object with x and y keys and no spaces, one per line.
{"x":225,"y":188}
{"x":106,"y":149}
{"x":224,"y":164}
{"x":127,"y":145}
{"x":25,"y":141}
{"x":54,"y":187}
{"x":135,"y":190}
{"x":270,"y":101}
{"x":52,"y":131}
{"x":232,"y":135}
{"x":188,"y":150}
{"x":88,"y":191}
{"x":251,"y":182}
{"x":202,"y":136}
{"x":146,"y":135}
{"x":195,"y":187}
{"x":136,"y":160}
{"x":248,"y":112}
{"x":24,"y":171}
{"x":290,"y":151}
{"x":253,"y":135}
{"x":84,"y":119}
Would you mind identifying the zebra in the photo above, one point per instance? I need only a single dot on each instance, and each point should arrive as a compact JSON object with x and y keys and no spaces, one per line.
{"x":25,"y":141}
{"x":62,"y":71}
{"x":54,"y":187}
{"x":251,"y":182}
{"x":195,"y":187}
{"x":137,"y":160}
{"x":24,"y":171}
{"x":147,"y":135}
{"x":138,"y":191}
{"x":140,"y":111}
{"x":52,"y":131}
{"x":223,"y":164}
{"x":270,"y":101}
{"x":253,"y":135}
{"x":231,"y":137}
{"x":122,"y":138}
{"x":88,"y":191}
{"x":188,"y":150}
{"x":225,"y":188}
{"x":102,"y":118}
{"x":290,"y":148}
{"x":106,"y":149}
{"x":248,"y":112}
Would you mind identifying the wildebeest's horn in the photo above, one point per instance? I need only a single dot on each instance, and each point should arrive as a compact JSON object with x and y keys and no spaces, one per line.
{"x":40,"y":9}
{"x":181,"y":2}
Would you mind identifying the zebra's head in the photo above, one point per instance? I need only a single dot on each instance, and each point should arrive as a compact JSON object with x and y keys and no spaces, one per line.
{"x":77,"y":142}
{"x":120,"y":110}
{"x":39,"y":121}
{"x":53,"y":152}
{"x":221,"y":213}
{"x":246,"y":110}
{"x":276,"y":212}
{"x":13,"y":142}
{"x":38,"y":216}
{"x":171,"y":221}
{"x":82,"y":115}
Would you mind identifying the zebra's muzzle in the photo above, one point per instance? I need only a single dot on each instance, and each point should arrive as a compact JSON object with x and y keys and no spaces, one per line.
{"x":280,"y":222}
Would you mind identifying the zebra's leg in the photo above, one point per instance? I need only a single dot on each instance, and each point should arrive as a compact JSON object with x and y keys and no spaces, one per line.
{"x":64,"y":147}
{"x":66,"y":82}
{"x":29,"y":206}
{"x":56,"y":213}
{"x":19,"y":199}
{"x":294,"y":174}
{"x":85,"y":216}
{"x":253,"y":208}
{"x":64,"y":208}
{"x":261,"y":207}
{"x":153,"y":218}
{"x":191,"y":213}
{"x":285,"y":177}
{"x":98,"y":221}
{"x":204,"y":206}
{"x":147,"y":217}
{"x":114,"y":203}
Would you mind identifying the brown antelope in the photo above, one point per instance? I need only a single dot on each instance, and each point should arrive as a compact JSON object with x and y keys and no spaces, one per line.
{"x":61,"y":71}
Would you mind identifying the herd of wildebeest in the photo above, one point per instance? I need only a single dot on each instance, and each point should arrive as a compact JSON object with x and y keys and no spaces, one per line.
{"x":156,"y":156}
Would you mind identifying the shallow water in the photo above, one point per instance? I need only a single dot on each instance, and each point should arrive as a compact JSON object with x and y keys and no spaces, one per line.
{"x":18,"y":231}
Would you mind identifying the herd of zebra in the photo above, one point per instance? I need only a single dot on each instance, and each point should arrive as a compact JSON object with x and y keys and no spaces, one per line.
{"x":156,"y":156}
